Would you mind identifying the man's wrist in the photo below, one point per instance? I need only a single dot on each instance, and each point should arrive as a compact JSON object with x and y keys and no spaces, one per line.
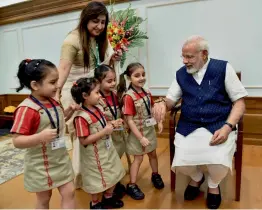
{"x":229,"y":125}
{"x":160,"y":99}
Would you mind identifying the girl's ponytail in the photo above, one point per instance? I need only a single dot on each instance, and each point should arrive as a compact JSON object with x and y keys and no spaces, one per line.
{"x":21,"y":74}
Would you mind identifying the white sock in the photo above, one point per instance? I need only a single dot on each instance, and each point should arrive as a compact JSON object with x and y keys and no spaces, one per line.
{"x":211,"y":184}
{"x":197,"y":176}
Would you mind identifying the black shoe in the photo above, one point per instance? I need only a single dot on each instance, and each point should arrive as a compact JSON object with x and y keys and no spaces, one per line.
{"x":134,"y":192}
{"x":213,"y":200}
{"x":112,"y":203}
{"x":157,"y":181}
{"x":192,"y":192}
{"x":96,"y":206}
{"x":119,"y":191}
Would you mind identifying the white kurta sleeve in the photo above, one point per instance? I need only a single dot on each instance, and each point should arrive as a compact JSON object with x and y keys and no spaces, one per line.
{"x":234,"y":87}
{"x":174,"y":93}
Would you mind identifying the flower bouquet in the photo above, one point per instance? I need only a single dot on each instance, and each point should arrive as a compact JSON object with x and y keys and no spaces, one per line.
{"x":123,"y":31}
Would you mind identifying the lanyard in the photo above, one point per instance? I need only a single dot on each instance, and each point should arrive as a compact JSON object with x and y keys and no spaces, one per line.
{"x":148,"y":100}
{"x":48,"y":113}
{"x":103,"y":122}
{"x":114,"y":113}
{"x":96,"y":56}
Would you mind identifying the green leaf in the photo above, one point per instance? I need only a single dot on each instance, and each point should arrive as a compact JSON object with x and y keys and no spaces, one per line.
{"x":123,"y":59}
{"x":136,"y":43}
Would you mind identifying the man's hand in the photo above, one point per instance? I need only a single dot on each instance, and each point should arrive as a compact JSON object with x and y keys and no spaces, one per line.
{"x":221,"y":135}
{"x":159,"y":111}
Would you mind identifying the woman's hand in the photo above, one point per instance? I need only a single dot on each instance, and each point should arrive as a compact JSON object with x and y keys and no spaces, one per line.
{"x":70,"y":110}
{"x":58,"y":94}
{"x":117,"y":55}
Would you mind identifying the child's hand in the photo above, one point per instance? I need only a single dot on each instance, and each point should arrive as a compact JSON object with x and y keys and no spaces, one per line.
{"x":144,"y":141}
{"x":108,"y":129}
{"x":117,"y":123}
{"x":47,"y":135}
{"x":160,"y":127}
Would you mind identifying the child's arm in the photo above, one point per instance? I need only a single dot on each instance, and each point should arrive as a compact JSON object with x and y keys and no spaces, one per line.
{"x":97,"y":136}
{"x":27,"y":141}
{"x":144,"y":141}
{"x":24,"y":129}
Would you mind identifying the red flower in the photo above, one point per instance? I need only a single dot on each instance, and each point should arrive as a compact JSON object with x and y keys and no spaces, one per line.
{"x":118,"y":46}
{"x":125,"y":41}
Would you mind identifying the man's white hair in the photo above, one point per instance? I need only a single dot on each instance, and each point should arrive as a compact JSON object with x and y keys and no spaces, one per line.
{"x":200,"y":41}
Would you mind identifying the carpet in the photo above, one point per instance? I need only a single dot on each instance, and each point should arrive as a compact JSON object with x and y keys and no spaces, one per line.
{"x":4,"y":132}
{"x":12,"y":159}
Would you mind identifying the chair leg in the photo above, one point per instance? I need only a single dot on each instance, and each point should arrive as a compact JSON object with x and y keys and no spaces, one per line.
{"x":173,"y":180}
{"x":238,"y":166}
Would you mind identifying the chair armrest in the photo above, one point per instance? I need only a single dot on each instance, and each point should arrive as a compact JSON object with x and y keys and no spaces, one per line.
{"x":172,"y":121}
{"x":175,"y":109}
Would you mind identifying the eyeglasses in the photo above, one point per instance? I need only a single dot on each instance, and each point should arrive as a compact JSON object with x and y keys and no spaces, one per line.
{"x":190,"y":57}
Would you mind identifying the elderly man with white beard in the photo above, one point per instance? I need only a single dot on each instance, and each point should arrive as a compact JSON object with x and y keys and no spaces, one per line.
{"x":212,"y":104}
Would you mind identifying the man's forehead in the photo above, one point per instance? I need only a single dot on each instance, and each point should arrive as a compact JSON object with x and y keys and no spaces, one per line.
{"x":189,"y":47}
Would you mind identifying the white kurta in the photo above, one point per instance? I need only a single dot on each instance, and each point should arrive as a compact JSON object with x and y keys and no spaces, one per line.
{"x":194,"y":149}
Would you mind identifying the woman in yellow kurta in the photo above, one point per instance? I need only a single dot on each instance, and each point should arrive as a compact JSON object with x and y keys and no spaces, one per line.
{"x":83,"y":49}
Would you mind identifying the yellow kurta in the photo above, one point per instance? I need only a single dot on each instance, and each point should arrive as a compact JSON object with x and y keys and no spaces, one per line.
{"x":72,"y":51}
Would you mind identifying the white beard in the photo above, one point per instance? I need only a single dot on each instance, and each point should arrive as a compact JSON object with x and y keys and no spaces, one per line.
{"x":191,"y":70}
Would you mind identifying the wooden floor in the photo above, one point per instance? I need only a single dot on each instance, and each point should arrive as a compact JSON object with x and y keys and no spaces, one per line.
{"x":14,"y":196}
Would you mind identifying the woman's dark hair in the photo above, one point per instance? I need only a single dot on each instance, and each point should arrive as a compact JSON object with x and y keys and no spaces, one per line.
{"x":90,"y":12}
{"x":100,"y":72}
{"x":83,"y":85}
{"x":32,"y":70}
{"x":121,"y":88}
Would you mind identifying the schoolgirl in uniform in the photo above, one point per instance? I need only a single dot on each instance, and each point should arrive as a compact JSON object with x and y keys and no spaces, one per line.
{"x":101,"y":167}
{"x":109,"y":103}
{"x":137,"y":104}
{"x":39,"y":127}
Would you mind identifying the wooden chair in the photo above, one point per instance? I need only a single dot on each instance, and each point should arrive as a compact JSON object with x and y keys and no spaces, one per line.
{"x":237,"y":155}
